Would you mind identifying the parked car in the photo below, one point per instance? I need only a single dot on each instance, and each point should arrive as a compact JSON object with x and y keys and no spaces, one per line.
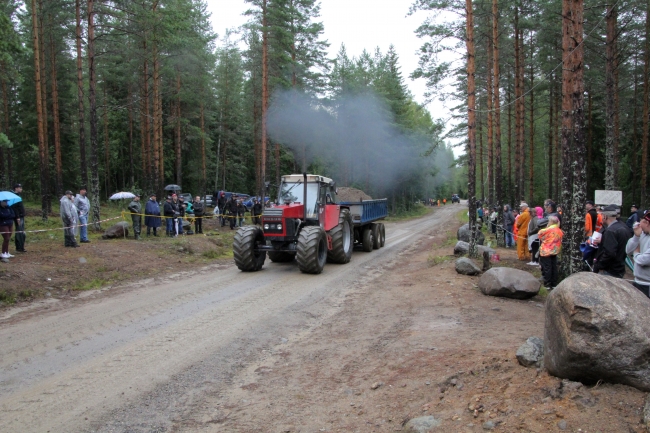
{"x":207,"y":199}
{"x":186,"y":196}
{"x":249,"y":203}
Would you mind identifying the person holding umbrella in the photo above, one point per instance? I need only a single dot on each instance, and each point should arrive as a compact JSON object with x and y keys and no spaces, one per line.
{"x":19,"y":211}
{"x":7,"y":217}
{"x":68,"y":217}
{"x":152,"y":215}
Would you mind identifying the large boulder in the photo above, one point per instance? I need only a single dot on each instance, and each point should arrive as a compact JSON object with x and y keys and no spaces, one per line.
{"x":463,"y":235}
{"x":466,"y":266}
{"x":598,"y":328}
{"x":119,"y":230}
{"x":509,"y":283}
{"x":462,"y":248}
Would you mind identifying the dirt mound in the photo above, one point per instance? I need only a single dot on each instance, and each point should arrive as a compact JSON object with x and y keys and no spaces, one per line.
{"x":351,"y":194}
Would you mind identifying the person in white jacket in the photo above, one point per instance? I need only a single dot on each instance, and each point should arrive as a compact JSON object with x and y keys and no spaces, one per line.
{"x":639,"y":246}
{"x":69,"y":219}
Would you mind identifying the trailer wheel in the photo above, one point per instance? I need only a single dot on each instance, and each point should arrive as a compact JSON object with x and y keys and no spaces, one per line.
{"x":367,"y":239}
{"x":281,"y":256}
{"x":382,"y":235}
{"x":342,"y":240}
{"x":247,"y":239}
{"x":312,"y":250}
{"x":375,"y":236}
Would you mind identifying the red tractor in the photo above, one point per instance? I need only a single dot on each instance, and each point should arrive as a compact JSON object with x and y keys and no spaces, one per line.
{"x":311,"y":231}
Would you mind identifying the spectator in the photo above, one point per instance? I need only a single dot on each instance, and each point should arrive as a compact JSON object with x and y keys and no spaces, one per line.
{"x":522,"y":233}
{"x":257,"y":211}
{"x":480,"y":214}
{"x":634,"y":217}
{"x":241,"y":212}
{"x":550,"y":246}
{"x":550,"y":209}
{"x":19,"y":221}
{"x":7,"y":218}
{"x":508,"y":223}
{"x":199,"y":211}
{"x":152,"y":215}
{"x":68,"y":217}
{"x":444,"y":201}
{"x":182,"y":206}
{"x":639,"y":245}
{"x":610,"y":257}
{"x":82,"y":204}
{"x":231,"y":210}
{"x":533,"y":234}
{"x":593,"y":220}
{"x":135,"y":207}
{"x":494,"y":217}
{"x":222,"y":207}
{"x":168,"y":211}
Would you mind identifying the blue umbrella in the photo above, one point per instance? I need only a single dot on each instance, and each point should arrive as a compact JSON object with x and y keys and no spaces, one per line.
{"x":10,"y":197}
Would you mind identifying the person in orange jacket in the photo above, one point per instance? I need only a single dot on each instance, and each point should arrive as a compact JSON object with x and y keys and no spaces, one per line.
{"x":521,"y":224}
{"x":550,"y":246}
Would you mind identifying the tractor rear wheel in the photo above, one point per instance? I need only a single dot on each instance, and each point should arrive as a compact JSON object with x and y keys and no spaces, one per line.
{"x":382,"y":235}
{"x":375,"y":236}
{"x":247,"y":257}
{"x":312,"y":250}
{"x":367,"y":240}
{"x":342,"y":239}
{"x":281,"y":256}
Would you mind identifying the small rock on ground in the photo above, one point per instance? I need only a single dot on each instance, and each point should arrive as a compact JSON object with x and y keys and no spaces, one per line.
{"x":421,"y":425}
{"x":562,"y":425}
{"x":531,"y":353}
{"x":466,"y":266}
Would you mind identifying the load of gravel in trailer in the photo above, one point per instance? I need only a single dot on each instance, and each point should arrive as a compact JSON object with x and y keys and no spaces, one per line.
{"x":348,"y":194}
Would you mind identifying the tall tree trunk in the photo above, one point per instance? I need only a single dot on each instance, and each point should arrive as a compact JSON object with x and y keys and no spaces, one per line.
{"x":80,"y":96}
{"x":522,"y":119}
{"x":265,"y":93}
{"x":646,"y":114}
{"x":531,"y":131}
{"x":131,"y":161}
{"x":490,"y":130}
{"x":471,"y":126}
{"x":573,"y":145}
{"x":57,"y":127}
{"x":5,"y":98}
{"x":147,"y":154}
{"x":511,"y":190}
{"x":498,"y":175}
{"x":559,"y":98}
{"x":44,"y":97}
{"x":156,"y":129}
{"x":518,"y":93}
{"x":479,"y":132}
{"x":551,"y":90}
{"x":92,"y":97}
{"x":43,"y":160}
{"x":161,"y":149}
{"x":590,"y":135}
{"x":107,"y":150}
{"x":204,"y":173}
{"x":178,"y":162}
{"x":611,"y":146}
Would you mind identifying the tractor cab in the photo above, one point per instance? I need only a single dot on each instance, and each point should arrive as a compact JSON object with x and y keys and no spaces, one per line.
{"x":320,"y":191}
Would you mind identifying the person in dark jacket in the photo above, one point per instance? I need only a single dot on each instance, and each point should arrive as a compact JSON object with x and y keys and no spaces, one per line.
{"x":135,"y":207}
{"x":182,"y":206}
{"x":231,"y":208}
{"x":508,"y":222}
{"x":169,"y":210}
{"x":199,"y":212}
{"x":550,"y":209}
{"x":222,"y":202}
{"x":634,"y":217}
{"x":241,"y":211}
{"x":257,"y":211}
{"x":7,"y":218}
{"x":19,"y":221}
{"x":152,"y":215}
{"x":610,"y":257}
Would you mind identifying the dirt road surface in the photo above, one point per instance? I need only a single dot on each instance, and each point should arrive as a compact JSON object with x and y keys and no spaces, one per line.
{"x":362,"y":347}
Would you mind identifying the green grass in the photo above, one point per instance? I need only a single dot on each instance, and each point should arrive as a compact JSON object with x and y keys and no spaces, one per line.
{"x":543,"y":292}
{"x":436,"y":260}
{"x":95,"y":283}
{"x":7,"y":298}
{"x":463,"y":216}
{"x":419,"y":210}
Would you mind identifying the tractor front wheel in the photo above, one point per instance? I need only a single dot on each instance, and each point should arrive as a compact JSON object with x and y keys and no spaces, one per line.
{"x":247,"y":257}
{"x":312,"y":250}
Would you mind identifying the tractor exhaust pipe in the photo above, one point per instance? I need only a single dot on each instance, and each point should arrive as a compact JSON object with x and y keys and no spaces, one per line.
{"x":304,"y":196}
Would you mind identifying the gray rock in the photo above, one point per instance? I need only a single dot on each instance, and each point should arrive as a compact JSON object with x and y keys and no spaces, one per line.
{"x":488,"y":425}
{"x":421,"y":425}
{"x":463,"y":235}
{"x":597,"y":329}
{"x":531,"y":353}
{"x":82,"y":260}
{"x":509,"y":283}
{"x":466,"y":266}
{"x":646,"y":412}
{"x":562,"y":425}
{"x":462,"y":248}
{"x":119,"y":230}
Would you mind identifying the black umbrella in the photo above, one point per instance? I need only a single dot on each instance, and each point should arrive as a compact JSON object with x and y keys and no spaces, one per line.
{"x":172,"y":187}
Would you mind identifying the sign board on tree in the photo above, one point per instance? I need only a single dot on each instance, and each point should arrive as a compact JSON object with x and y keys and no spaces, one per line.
{"x":608,"y":197}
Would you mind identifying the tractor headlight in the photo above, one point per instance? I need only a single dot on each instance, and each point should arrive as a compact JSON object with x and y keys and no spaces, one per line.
{"x":279,"y":226}
{"x":266,"y":226}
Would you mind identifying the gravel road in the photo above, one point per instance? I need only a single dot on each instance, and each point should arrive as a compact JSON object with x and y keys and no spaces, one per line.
{"x":147,"y":357}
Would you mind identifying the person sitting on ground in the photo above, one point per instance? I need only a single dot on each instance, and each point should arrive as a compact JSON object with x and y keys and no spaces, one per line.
{"x":550,"y":246}
{"x":522,"y":233}
{"x":639,"y":246}
{"x":610,"y":257}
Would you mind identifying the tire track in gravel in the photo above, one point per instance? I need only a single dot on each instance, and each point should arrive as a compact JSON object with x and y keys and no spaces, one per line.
{"x":152,"y":357}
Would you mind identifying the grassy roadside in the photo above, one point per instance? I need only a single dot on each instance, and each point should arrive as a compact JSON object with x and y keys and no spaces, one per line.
{"x":418,"y":211}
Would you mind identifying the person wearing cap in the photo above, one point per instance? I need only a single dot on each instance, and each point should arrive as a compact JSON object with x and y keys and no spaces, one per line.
{"x":135,"y":207}
{"x":639,"y":246}
{"x":593,"y":220}
{"x":7,"y":218}
{"x":634,"y":217}
{"x":19,"y":220}
{"x":522,"y":233}
{"x":152,"y":215}
{"x":69,"y":218}
{"x":83,"y":208}
{"x":610,"y":257}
